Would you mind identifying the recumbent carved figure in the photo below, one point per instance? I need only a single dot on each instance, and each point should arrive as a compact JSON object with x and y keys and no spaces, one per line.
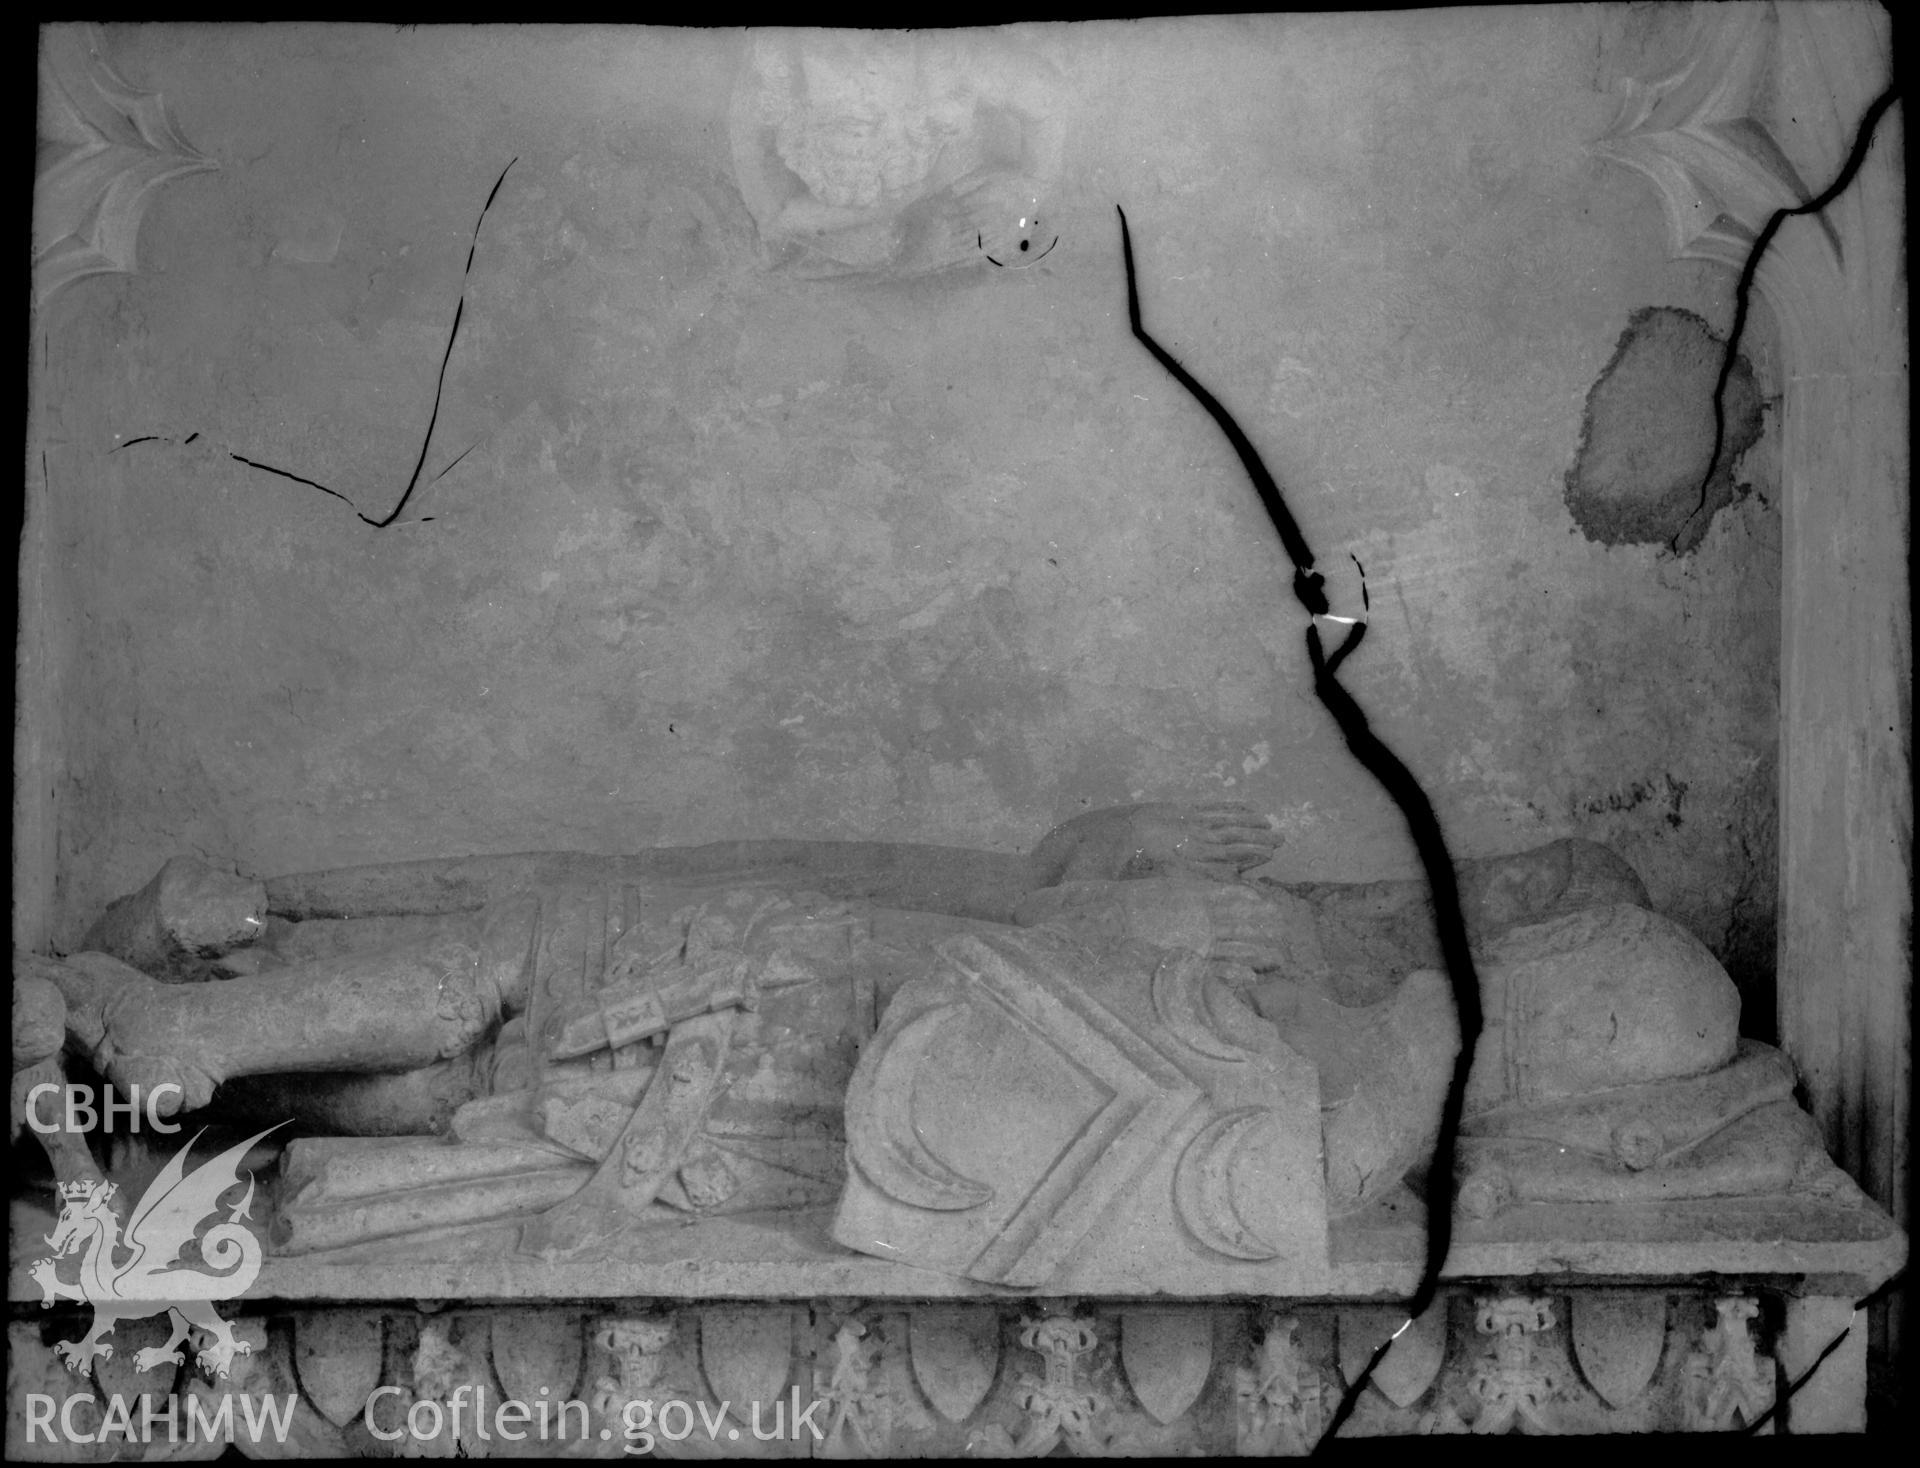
{"x":1127,"y":1043}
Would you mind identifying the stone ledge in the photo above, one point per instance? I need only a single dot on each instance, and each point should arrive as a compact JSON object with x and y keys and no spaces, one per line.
{"x":1579,"y":1319}
{"x":1806,"y":1245}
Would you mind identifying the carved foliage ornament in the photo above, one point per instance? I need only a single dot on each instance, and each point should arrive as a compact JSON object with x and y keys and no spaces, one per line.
{"x":1729,"y":1383}
{"x":1280,"y":1405}
{"x":1058,"y":1403}
{"x":1207,"y":1378}
{"x":1514,"y":1386}
{"x":104,"y":149}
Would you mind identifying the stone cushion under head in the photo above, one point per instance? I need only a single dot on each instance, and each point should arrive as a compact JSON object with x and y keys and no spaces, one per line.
{"x":1612,"y":996}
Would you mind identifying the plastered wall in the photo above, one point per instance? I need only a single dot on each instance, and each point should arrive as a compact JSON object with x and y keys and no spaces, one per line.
{"x":942,"y":555}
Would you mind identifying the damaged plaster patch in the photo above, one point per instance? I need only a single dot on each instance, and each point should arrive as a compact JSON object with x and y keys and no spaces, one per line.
{"x":1648,"y":434}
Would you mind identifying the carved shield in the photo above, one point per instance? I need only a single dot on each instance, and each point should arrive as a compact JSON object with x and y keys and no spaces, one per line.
{"x":955,"y":1351}
{"x":1167,"y":1354}
{"x":1095,"y":1101}
{"x":747,"y":1351}
{"x":1023,"y":1106}
{"x":1617,"y":1338}
{"x":535,"y":1350}
{"x":1406,"y":1371}
{"x":337,"y":1354}
{"x":119,"y":1375}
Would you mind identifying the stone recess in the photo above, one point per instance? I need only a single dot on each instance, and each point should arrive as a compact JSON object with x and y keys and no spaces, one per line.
{"x":728,"y":549}
{"x":1757,"y":110}
{"x":766,"y":498}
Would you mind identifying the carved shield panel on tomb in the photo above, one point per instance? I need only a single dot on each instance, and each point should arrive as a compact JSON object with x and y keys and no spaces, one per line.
{"x":337,"y":1354}
{"x":1027,"y":1114}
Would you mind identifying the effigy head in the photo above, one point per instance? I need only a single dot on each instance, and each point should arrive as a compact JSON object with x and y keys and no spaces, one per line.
{"x":1554,"y":880}
{"x":1611,"y":1071}
{"x":1613,"y":996}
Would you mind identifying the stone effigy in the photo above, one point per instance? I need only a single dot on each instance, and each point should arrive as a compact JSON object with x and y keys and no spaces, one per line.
{"x":1119,"y":1062}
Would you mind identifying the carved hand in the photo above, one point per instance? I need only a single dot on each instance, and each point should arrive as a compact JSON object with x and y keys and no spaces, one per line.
{"x":1231,"y":924}
{"x":1242,"y":926}
{"x":1214,"y":841}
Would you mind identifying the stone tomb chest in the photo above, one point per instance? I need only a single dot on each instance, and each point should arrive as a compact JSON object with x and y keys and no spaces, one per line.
{"x":1125,"y":1172}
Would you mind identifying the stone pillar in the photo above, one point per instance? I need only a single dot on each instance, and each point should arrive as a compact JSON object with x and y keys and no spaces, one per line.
{"x":38,"y":769}
{"x":1760,"y":113}
{"x":1846,"y":789}
{"x":106,"y":149}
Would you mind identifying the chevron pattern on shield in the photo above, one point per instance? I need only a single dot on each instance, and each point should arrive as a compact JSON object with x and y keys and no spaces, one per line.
{"x":1007,"y":1017}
